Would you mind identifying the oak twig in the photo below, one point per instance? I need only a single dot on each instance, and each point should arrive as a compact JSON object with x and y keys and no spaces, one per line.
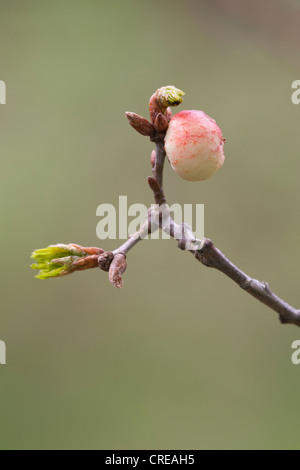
{"x":203,"y":250}
{"x":212,"y":257}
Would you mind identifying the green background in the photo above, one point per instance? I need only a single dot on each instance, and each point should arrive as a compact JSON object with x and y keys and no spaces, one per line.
{"x":181,"y":358}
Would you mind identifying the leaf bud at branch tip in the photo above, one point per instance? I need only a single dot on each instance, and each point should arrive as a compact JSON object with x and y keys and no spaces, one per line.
{"x":60,"y":260}
{"x":162,"y":99}
{"x":170,"y":96}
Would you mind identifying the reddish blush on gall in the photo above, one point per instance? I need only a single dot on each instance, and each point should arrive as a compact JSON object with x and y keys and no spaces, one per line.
{"x":194,"y":145}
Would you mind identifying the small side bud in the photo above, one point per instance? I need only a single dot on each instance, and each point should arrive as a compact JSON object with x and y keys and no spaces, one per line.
{"x":104,"y":260}
{"x":153,"y":184}
{"x":153,"y":158}
{"x":140,"y":124}
{"x":117,"y":269}
{"x":161,"y":123}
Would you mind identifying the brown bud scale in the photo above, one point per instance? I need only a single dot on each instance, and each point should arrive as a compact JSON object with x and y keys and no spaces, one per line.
{"x":104,"y":260}
{"x":141,"y":124}
{"x":88,"y":262}
{"x":117,"y":268}
{"x":153,"y":184}
{"x":161,"y":123}
{"x":89,"y":250}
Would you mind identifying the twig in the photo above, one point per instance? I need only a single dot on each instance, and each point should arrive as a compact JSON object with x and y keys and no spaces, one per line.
{"x":204,"y":250}
{"x":134,"y":239}
{"x":212,"y":257}
{"x":74,"y":257}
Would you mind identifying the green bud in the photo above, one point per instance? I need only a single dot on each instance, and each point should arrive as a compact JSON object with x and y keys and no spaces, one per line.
{"x":170,"y":96}
{"x":55,"y":260}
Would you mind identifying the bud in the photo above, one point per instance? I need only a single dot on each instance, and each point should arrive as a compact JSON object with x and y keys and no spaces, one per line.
{"x":104,"y":261}
{"x":170,"y":96}
{"x":162,"y":99}
{"x":140,"y":124}
{"x":60,"y":260}
{"x":161,"y":123}
{"x":117,"y":268}
{"x":153,"y":158}
{"x":153,"y":184}
{"x":194,"y":145}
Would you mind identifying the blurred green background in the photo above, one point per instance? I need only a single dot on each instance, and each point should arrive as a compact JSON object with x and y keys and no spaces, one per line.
{"x":181,"y":358}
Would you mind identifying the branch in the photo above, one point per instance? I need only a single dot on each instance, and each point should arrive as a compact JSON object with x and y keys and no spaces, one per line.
{"x":60,"y":260}
{"x":134,"y":239}
{"x":212,"y":257}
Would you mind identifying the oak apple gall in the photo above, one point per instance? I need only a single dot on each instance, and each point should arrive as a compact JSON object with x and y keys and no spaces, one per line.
{"x":194,"y":145}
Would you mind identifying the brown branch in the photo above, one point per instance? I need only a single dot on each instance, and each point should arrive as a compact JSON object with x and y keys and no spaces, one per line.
{"x":159,"y":217}
{"x":203,"y":250}
{"x":133,"y":240}
{"x":210,"y":256}
{"x":156,"y":183}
